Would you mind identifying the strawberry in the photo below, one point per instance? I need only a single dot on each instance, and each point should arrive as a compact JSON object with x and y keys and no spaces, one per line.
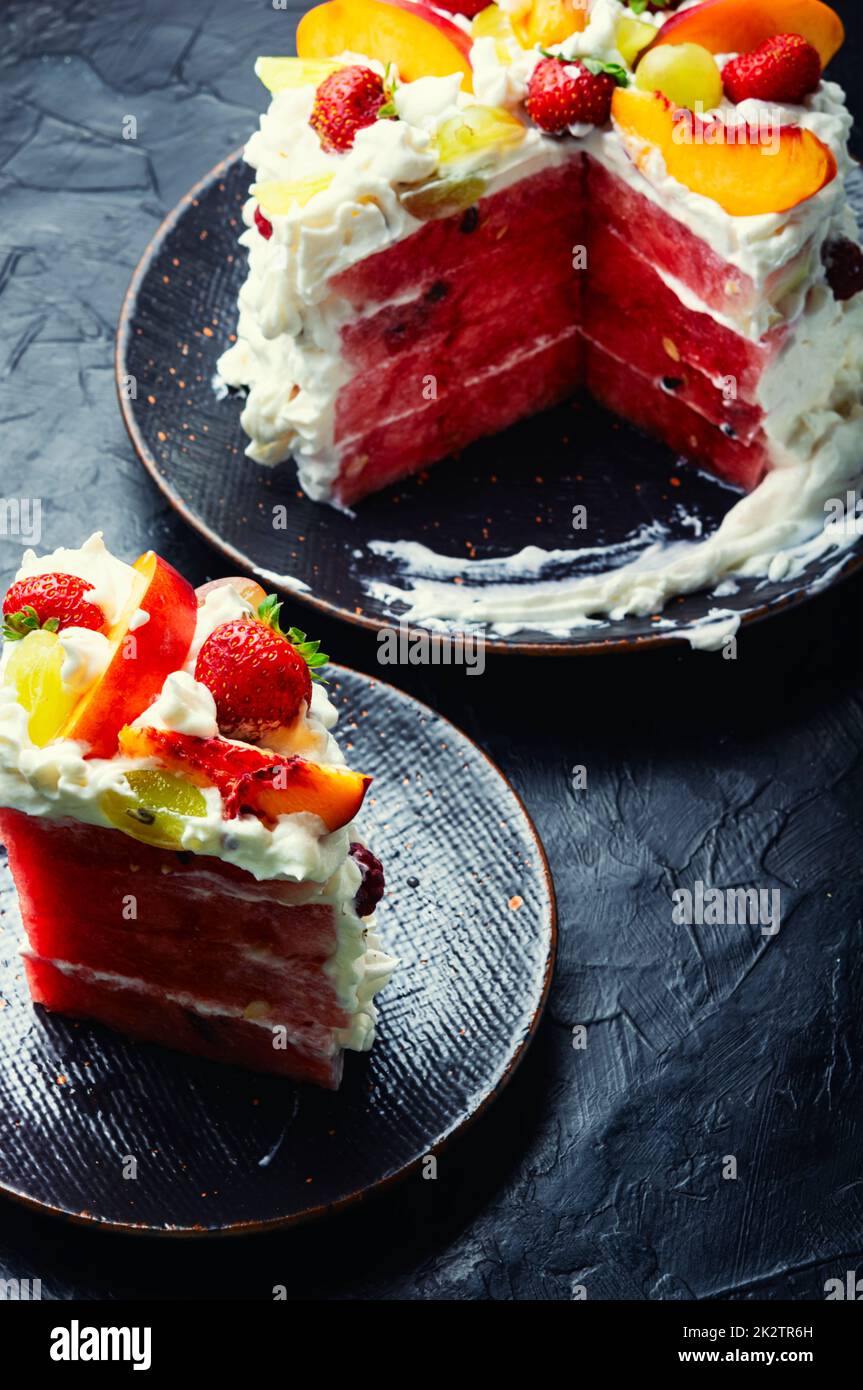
{"x":655,"y":6}
{"x":784,"y":68}
{"x":561,"y":94}
{"x":346,"y":101}
{"x":843,"y":261}
{"x":469,"y":8}
{"x":51,"y":601}
{"x":258,"y":675}
{"x":264,"y":227}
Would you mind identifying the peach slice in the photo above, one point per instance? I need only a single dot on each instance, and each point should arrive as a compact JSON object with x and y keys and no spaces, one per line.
{"x":549,"y":21}
{"x":738,"y":26}
{"x":143,"y":653}
{"x":743,"y":177}
{"x":332,"y":793}
{"x":417,"y":40}
{"x":253,"y":779}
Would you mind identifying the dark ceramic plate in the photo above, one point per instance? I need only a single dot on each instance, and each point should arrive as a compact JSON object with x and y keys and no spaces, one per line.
{"x":502,"y":494}
{"x":469,"y":912}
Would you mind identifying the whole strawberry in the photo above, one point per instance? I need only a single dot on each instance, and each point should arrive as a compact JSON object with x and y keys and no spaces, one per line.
{"x":468,"y":8}
{"x":51,"y":601}
{"x":346,"y":101}
{"x":563,"y":94}
{"x":785,"y":68}
{"x":258,"y":675}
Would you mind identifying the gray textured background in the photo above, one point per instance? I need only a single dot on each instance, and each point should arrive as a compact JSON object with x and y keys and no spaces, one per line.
{"x":599,"y":1166}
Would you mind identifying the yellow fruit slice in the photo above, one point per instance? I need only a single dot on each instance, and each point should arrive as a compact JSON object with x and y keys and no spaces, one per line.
{"x":443,"y":197}
{"x":154,"y":807}
{"x":631,"y":36}
{"x":685,"y":73}
{"x":277,"y":197}
{"x":475,"y":130}
{"x":549,"y":21}
{"x":491,"y":23}
{"x":494,"y":23}
{"x":280,"y":74}
{"x":33,"y":669}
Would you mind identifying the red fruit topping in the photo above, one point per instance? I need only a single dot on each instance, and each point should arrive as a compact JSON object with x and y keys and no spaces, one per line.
{"x":371,"y":890}
{"x":843,"y":260}
{"x":468,"y":8}
{"x":785,"y":68}
{"x":264,"y":227}
{"x":562,"y":94}
{"x":50,"y":600}
{"x":253,"y":780}
{"x":346,"y":101}
{"x":258,"y":675}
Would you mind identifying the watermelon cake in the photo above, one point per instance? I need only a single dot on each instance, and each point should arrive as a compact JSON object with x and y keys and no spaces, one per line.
{"x":179,"y":818}
{"x":462,"y":214}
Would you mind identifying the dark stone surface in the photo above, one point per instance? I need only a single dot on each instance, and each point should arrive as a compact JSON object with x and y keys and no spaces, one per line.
{"x":600,"y":1166}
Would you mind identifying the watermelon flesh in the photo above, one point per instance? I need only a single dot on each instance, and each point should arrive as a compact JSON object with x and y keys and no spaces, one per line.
{"x":149,"y":1016}
{"x":177,"y":949}
{"x":450,"y":340}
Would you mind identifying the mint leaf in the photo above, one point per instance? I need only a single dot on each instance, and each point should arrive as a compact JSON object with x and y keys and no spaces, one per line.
{"x":594,"y":66}
{"x":615,"y":70}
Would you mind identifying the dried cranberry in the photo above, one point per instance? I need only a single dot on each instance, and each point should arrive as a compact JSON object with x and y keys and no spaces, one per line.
{"x":843,"y":260}
{"x":371,"y":890}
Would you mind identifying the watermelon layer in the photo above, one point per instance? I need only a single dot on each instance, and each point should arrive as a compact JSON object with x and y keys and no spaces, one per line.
{"x":176,"y":948}
{"x":150,"y":1016}
{"x":554,"y":284}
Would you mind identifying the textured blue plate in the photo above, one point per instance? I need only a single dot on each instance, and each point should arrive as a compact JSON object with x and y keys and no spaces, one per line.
{"x":469,"y":912}
{"x":499,"y":496}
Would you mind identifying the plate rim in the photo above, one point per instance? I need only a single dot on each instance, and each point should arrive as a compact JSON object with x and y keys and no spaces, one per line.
{"x":601,"y":646}
{"x":384,"y":1184}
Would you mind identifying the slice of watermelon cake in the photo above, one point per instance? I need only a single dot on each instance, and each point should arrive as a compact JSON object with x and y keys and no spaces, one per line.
{"x":179,"y":818}
{"x":459,"y":218}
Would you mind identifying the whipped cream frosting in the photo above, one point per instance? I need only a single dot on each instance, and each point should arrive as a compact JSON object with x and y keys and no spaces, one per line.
{"x":298,"y":860}
{"x":288,"y":351}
